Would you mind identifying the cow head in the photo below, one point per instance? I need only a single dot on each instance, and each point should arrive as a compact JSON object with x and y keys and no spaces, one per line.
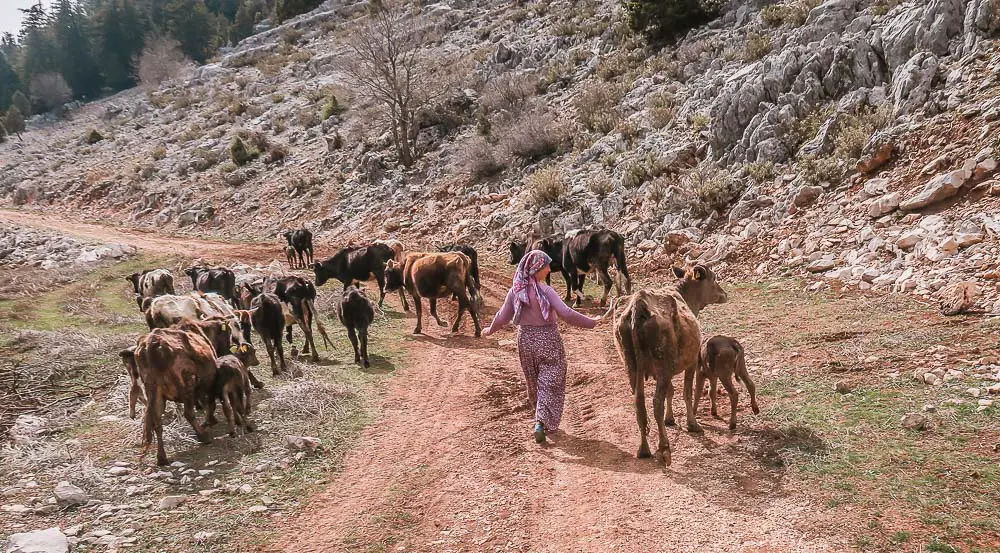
{"x":193,"y":272}
{"x":698,"y":287}
{"x":516,"y":252}
{"x":246,"y":353}
{"x":288,"y":236}
{"x":393,"y":276}
{"x":134,"y":279}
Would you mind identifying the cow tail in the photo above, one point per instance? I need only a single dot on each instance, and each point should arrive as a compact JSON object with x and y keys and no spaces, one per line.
{"x":622,"y":266}
{"x":319,"y":324}
{"x":632,"y":340}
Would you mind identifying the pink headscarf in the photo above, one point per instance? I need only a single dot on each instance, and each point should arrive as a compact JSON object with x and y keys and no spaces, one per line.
{"x":525,"y":277}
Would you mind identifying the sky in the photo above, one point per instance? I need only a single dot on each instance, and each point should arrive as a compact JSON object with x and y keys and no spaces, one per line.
{"x":10,"y":18}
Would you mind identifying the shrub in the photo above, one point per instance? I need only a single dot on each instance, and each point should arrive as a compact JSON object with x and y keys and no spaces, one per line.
{"x":50,"y":90}
{"x":711,"y":188}
{"x":657,"y":191}
{"x":292,"y":36}
{"x":615,"y":65}
{"x":237,"y":109}
{"x":533,"y":136}
{"x":14,"y":121}
{"x":277,"y":98}
{"x":792,"y":14}
{"x":699,"y":121}
{"x":308,"y":118}
{"x":758,"y":46}
{"x":805,"y":129}
{"x":332,"y":107}
{"x":597,"y":107}
{"x":287,"y":9}
{"x":20,"y":101}
{"x":159,"y":152}
{"x":93,"y":137}
{"x":478,"y":158}
{"x":761,"y":172}
{"x":638,"y":172}
{"x":506,"y":92}
{"x":546,"y":186}
{"x":662,"y":108}
{"x":240,"y":153}
{"x":856,"y":129}
{"x":161,"y":60}
{"x":228,"y":167}
{"x":204,"y":158}
{"x":662,"y":20}
{"x":275,"y":153}
{"x":817,"y":171}
{"x":600,"y":186}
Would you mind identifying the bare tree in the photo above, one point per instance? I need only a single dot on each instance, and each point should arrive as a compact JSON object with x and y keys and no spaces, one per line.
{"x":50,"y":90}
{"x":161,"y":60}
{"x":386,"y":68}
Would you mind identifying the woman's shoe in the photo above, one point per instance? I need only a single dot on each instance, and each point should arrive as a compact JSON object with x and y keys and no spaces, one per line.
{"x":539,"y":433}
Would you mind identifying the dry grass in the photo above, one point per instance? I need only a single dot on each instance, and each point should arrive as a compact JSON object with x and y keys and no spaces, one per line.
{"x":600,"y":186}
{"x":597,"y":107}
{"x":546,"y":186}
{"x":758,"y":45}
{"x":710,"y":188}
{"x":478,"y":158}
{"x":533,"y":136}
{"x":793,"y":13}
{"x":662,"y":108}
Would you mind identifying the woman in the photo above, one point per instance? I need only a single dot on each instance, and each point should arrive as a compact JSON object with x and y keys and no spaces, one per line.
{"x":535,"y":307}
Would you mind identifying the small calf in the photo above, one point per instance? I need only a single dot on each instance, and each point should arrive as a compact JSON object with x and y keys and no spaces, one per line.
{"x":722,"y":358}
{"x":232,"y":388}
{"x":356,"y":313}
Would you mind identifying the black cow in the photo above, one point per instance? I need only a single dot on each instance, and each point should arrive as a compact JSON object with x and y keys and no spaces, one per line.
{"x":471,"y":253}
{"x":358,"y":263}
{"x":302,"y":241}
{"x":268,"y":319}
{"x":356,"y":313}
{"x":151,"y":283}
{"x":553,"y":247}
{"x":587,"y":250}
{"x":300,"y":295}
{"x":220,"y":280}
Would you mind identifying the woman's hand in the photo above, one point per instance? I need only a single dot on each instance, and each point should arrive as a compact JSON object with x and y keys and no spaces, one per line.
{"x":488,"y":331}
{"x":607,"y":314}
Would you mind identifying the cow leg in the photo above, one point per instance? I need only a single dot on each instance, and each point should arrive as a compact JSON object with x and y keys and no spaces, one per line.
{"x":663,"y":449}
{"x":420,"y":314}
{"x":744,"y":377}
{"x":203,"y":436}
{"x":578,"y":289}
{"x":458,"y":318}
{"x":380,"y":279}
{"x":641,"y":417}
{"x":307,"y":329}
{"x":669,"y":419}
{"x":606,"y":281}
{"x":253,"y":379}
{"x":288,"y":333}
{"x":354,"y":343}
{"x":713,"y":393}
{"x":434,"y":311}
{"x":269,"y":346}
{"x":363,"y":334}
{"x":692,"y":422}
{"x":227,"y":409}
{"x":402,"y":299}
{"x":153,"y":423}
{"x":569,"y":285}
{"x":730,"y":386}
{"x":210,"y":419}
{"x":276,"y":344}
{"x":699,"y":389}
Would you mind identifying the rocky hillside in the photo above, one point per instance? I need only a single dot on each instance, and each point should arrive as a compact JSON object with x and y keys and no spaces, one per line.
{"x":854,"y":140}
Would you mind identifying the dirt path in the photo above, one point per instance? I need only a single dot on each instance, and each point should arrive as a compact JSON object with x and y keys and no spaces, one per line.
{"x":451,"y":467}
{"x":147,"y":241}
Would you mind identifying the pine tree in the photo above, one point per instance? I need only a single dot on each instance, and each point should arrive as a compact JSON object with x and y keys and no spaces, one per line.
{"x":190,"y":23}
{"x":120,"y":39}
{"x":38,"y":52}
{"x":20,"y":101}
{"x":14,"y":122}
{"x":10,"y":83}
{"x":246,"y":18}
{"x":73,"y":51}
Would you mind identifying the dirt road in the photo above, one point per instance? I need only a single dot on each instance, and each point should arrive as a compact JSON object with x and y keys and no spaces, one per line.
{"x":449,"y":464}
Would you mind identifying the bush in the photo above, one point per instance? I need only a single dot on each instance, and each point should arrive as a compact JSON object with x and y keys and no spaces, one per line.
{"x":761,"y":172}
{"x":287,"y":9}
{"x":758,"y":46}
{"x":817,"y":171}
{"x":600,"y":186}
{"x":93,"y":137}
{"x":699,"y":121}
{"x":547,"y":186}
{"x":478,"y":158}
{"x":49,"y":90}
{"x":597,"y":107}
{"x":204,"y":159}
{"x":161,"y":60}
{"x":662,"y":108}
{"x":20,"y":101}
{"x":662,"y":20}
{"x":332,"y":107}
{"x":240,"y":153}
{"x":275,"y":153}
{"x":792,"y":14}
{"x":506,"y":92}
{"x":856,"y":129}
{"x":533,"y":136}
{"x":657,"y":191}
{"x":308,"y":118}
{"x":14,"y":121}
{"x":712,"y":189}
{"x":638,"y":172}
{"x":159,"y":152}
{"x":292,"y":36}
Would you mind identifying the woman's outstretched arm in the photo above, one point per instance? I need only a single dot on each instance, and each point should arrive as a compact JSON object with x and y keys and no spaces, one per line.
{"x":504,"y":316}
{"x":567,"y":313}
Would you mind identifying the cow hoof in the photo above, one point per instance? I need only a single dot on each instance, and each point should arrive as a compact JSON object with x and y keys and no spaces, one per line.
{"x":755,"y":409}
{"x":205,"y":440}
{"x":732,"y":426}
{"x":663,"y":457}
{"x":716,"y":415}
{"x":479,"y":334}
{"x":670,"y":422}
{"x":250,"y":427}
{"x":643,"y":452}
{"x":314,"y":358}
{"x":367,"y":364}
{"x":162,"y":462}
{"x":416,"y":331}
{"x":695,"y":427}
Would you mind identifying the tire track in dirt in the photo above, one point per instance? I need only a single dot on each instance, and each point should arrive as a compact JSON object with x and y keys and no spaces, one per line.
{"x":451,"y":466}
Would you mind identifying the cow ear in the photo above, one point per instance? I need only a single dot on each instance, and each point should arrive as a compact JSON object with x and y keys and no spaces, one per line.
{"x":700,"y":272}
{"x":678,"y":272}
{"x":233,"y":349}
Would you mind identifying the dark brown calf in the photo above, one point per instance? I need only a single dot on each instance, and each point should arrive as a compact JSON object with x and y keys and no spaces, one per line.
{"x":722,"y":358}
{"x":232,"y":388}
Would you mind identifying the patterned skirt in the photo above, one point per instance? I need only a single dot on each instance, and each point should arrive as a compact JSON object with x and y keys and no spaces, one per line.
{"x":543,"y":361}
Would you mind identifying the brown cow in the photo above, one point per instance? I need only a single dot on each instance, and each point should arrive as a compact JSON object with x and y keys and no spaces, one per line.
{"x":179,"y":366}
{"x":135,"y":392}
{"x":658,"y":336}
{"x":722,"y":358}
{"x":433,"y":276}
{"x":232,"y":388}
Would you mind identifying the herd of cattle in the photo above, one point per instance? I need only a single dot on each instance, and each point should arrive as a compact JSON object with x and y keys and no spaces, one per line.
{"x":199,"y":349}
